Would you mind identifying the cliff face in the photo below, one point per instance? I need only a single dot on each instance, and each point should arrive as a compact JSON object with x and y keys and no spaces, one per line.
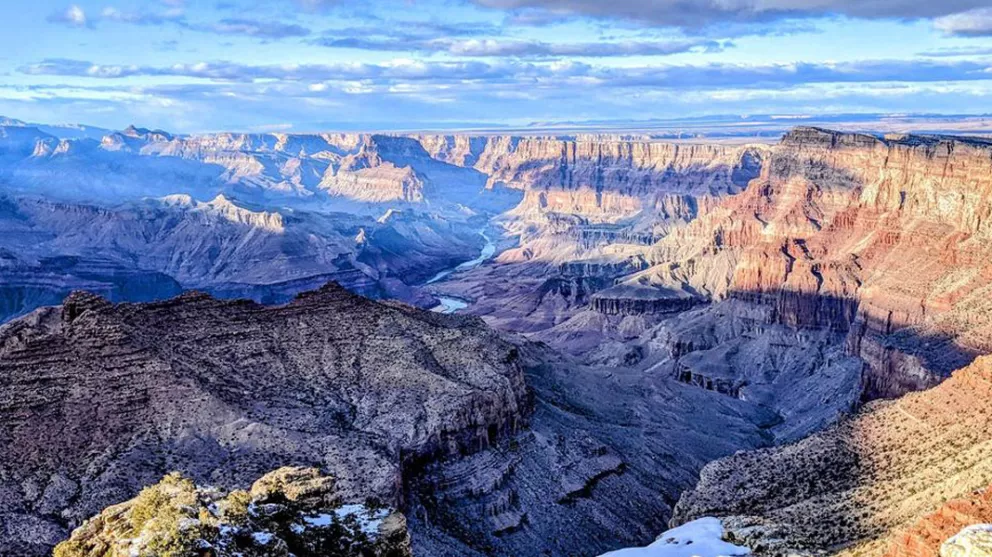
{"x":426,"y":413}
{"x":223,"y":391}
{"x":926,"y":536}
{"x":885,"y":240}
{"x":851,"y":487}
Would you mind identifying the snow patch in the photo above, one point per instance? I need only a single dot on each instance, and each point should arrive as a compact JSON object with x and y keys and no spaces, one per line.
{"x":699,"y":538}
{"x":262,"y":538}
{"x":368,"y":520}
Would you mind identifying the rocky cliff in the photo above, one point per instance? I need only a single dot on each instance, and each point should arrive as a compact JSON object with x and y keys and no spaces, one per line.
{"x":151,"y":249}
{"x":883,"y":240}
{"x":427,"y":413}
{"x":223,"y":391}
{"x":848,"y":489}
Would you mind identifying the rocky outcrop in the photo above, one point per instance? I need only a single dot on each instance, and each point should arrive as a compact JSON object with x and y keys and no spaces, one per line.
{"x":622,"y":300}
{"x":145,"y":250}
{"x":291,"y":511}
{"x":556,"y":488}
{"x":929,"y":535}
{"x":849,"y":488}
{"x":223,"y":391}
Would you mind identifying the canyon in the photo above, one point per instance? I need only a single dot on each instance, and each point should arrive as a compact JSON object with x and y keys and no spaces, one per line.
{"x":626,"y":331}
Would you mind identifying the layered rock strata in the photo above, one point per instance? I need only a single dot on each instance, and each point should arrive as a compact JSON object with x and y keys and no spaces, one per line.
{"x":222,"y":391}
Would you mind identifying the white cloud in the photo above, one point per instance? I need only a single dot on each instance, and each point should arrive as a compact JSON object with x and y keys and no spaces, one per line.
{"x":973,"y":23}
{"x":73,"y":16}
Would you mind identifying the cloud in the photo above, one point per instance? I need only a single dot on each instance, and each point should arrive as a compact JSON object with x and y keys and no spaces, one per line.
{"x":696,"y":14}
{"x":254,"y":28}
{"x":230,"y":71}
{"x":537,"y":18}
{"x":528,"y":49}
{"x":952,"y":52}
{"x":243,"y":106}
{"x":73,"y":16}
{"x":571,"y":74}
{"x":973,"y":23}
{"x":175,"y":15}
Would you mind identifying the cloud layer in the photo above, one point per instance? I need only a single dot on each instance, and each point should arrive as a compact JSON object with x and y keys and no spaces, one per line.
{"x":701,"y":13}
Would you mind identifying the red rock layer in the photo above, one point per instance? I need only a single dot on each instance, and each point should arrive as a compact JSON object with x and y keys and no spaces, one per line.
{"x":925,"y":537}
{"x":888,"y":238}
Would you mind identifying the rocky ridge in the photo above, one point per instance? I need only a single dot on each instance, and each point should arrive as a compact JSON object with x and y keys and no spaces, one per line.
{"x":427,"y":413}
{"x":223,"y":390}
{"x":849,"y":489}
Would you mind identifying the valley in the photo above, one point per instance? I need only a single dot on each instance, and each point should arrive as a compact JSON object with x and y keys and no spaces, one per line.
{"x":534,"y":346}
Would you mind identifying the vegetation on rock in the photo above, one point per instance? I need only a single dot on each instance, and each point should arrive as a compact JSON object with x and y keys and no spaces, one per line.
{"x":290,"y":511}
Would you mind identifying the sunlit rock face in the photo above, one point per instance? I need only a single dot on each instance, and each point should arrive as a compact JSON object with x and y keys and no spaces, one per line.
{"x":957,"y":527}
{"x":868,"y":485}
{"x":883,"y":241}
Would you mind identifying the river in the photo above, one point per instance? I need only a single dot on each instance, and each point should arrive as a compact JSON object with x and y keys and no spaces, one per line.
{"x":450,"y":304}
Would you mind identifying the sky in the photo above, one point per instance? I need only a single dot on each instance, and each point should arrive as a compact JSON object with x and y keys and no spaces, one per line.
{"x":309,"y":65}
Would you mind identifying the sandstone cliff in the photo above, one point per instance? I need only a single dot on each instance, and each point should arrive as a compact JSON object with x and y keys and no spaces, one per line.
{"x":884,"y":241}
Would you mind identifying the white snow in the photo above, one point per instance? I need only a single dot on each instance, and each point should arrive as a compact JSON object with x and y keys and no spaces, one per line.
{"x":320,"y":521}
{"x":368,"y":521}
{"x":699,"y":538}
{"x":262,"y":538}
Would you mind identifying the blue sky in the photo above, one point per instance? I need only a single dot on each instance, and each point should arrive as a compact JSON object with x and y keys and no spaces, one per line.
{"x":276,"y":65}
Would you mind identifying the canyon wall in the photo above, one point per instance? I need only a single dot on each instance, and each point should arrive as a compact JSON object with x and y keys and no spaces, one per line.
{"x":884,"y":240}
{"x":226,"y":391}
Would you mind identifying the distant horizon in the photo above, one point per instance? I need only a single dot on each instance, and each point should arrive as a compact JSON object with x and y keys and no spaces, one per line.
{"x":759,"y":126}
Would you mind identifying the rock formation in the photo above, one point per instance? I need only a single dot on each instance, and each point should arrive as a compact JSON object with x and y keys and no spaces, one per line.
{"x":973,"y":541}
{"x":930,"y":534}
{"x":427,"y":413}
{"x":676,"y":303}
{"x":856,"y":484}
{"x":290,"y":511}
{"x":223,"y":391}
{"x":152,"y":249}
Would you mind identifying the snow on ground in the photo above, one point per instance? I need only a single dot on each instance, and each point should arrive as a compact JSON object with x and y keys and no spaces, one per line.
{"x":368,"y":520}
{"x":699,"y":538}
{"x":262,"y":538}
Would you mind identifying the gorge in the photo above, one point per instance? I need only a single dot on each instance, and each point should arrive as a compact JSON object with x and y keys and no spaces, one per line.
{"x":643,"y":332}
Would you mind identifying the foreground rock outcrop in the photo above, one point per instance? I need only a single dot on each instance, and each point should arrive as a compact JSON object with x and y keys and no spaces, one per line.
{"x":225,"y":390}
{"x":973,"y":541}
{"x":291,"y":511}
